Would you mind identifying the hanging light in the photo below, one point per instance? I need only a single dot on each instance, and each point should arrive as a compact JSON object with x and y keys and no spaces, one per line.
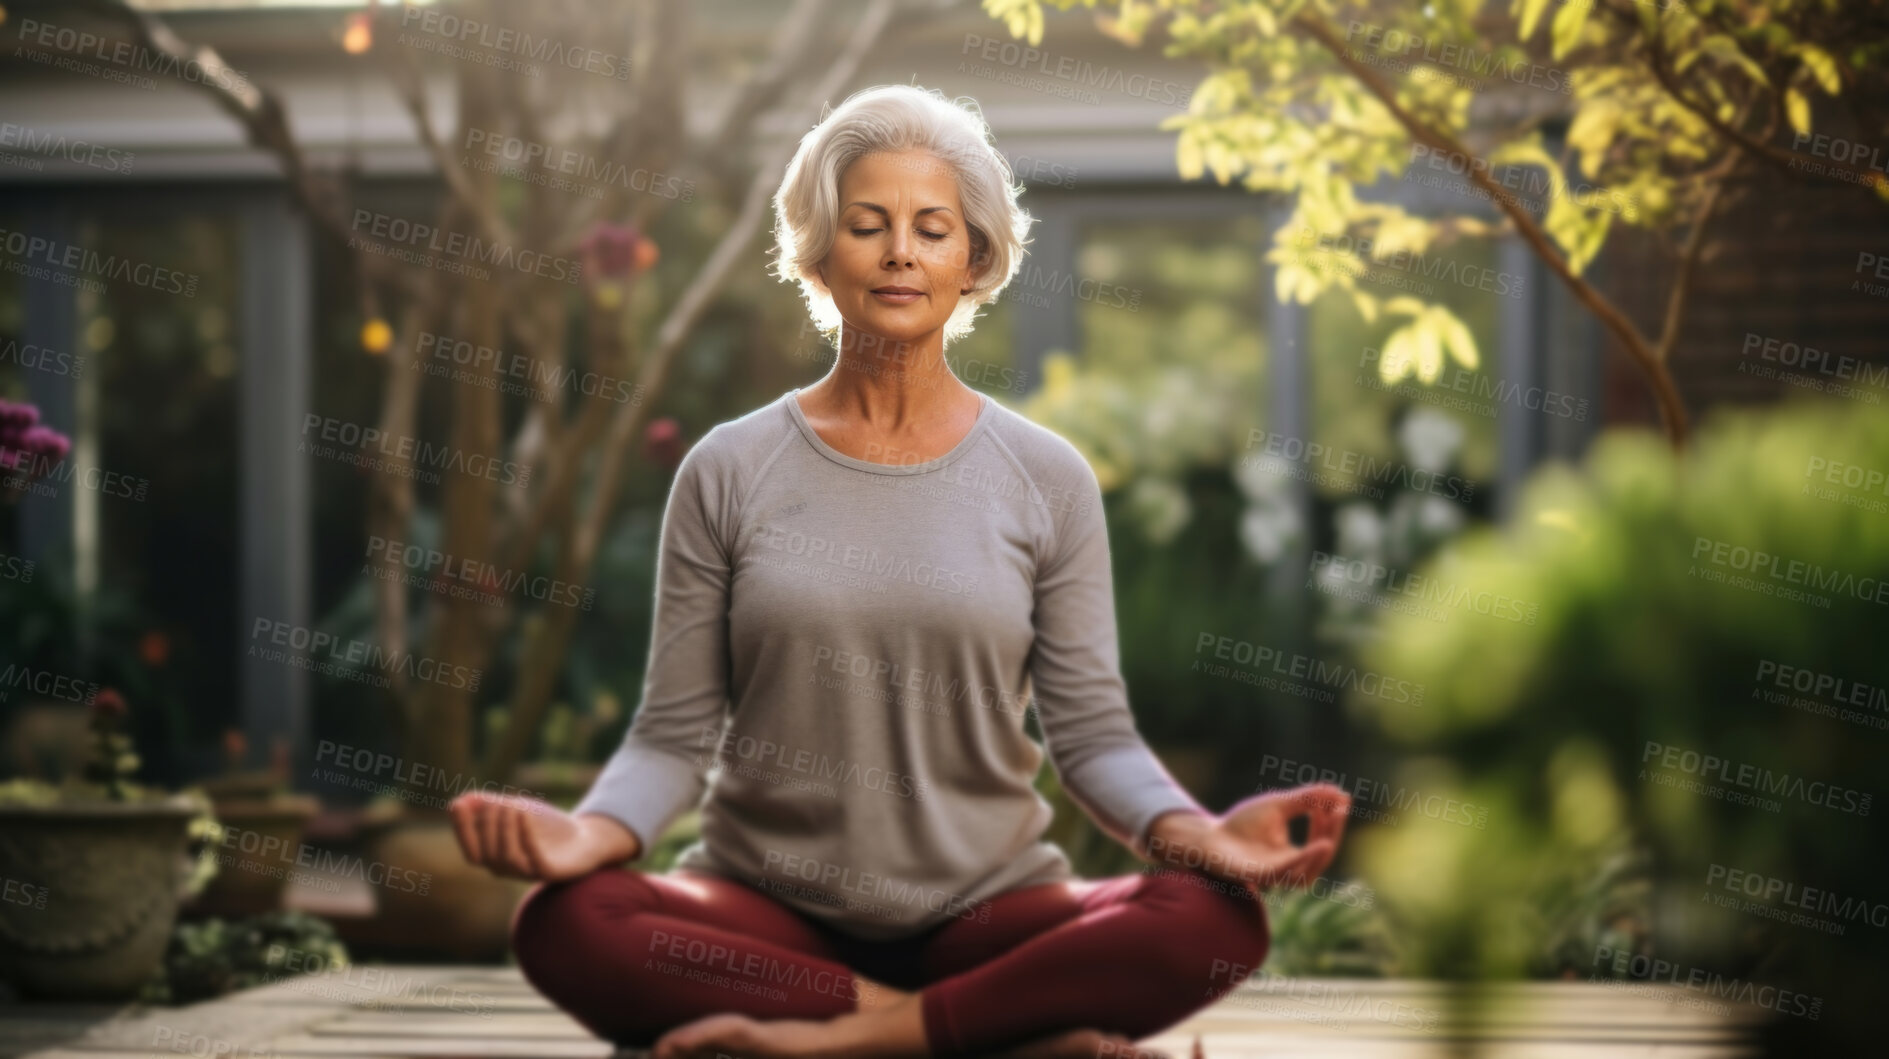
{"x":358,"y":34}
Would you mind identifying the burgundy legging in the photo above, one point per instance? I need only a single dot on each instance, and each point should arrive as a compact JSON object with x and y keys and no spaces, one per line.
{"x":632,"y":955}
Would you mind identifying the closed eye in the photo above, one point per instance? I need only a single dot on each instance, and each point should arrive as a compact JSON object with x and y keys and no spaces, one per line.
{"x":933,"y":236}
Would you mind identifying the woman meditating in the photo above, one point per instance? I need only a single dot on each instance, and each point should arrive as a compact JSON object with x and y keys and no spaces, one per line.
{"x":863,"y":589}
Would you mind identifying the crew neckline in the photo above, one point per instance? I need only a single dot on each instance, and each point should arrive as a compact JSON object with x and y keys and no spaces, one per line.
{"x":986,"y":407}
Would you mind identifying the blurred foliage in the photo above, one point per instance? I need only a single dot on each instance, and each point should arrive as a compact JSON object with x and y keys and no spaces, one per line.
{"x":101,"y":643}
{"x":1305,"y":98}
{"x":1637,"y":646}
{"x":210,"y":958}
{"x":1330,"y":929}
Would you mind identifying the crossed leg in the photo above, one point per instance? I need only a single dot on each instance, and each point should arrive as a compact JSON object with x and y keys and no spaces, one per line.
{"x":632,"y":956}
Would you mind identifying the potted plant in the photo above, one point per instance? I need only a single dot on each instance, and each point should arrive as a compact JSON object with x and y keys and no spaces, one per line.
{"x":94,"y":870}
{"x":258,"y":802}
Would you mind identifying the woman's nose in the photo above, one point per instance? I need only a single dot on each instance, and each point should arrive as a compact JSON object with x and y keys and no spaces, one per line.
{"x":899,"y":254}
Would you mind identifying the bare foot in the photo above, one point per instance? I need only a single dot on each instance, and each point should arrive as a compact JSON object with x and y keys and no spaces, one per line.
{"x":1081,"y":1044}
{"x":892,"y":1032}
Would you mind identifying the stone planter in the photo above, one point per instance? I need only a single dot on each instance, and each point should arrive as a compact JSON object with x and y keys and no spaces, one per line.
{"x":105,"y":881}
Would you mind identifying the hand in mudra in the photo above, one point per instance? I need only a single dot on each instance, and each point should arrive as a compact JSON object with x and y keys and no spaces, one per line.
{"x":1251,"y":843}
{"x":526,"y":838}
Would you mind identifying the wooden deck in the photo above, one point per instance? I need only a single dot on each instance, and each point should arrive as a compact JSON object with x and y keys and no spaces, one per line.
{"x":409,"y":1012}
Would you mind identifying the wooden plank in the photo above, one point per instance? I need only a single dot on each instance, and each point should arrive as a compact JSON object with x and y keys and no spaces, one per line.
{"x":473,"y":1047}
{"x":549,"y":1024}
{"x":444,"y":1011}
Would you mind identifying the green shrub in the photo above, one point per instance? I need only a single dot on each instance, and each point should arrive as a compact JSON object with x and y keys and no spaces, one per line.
{"x":1640,"y":640}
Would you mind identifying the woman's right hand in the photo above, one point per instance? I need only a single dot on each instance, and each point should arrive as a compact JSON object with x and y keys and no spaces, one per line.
{"x":526,"y":838}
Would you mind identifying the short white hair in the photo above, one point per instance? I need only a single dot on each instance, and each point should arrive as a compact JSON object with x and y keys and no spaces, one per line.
{"x":897,"y":118}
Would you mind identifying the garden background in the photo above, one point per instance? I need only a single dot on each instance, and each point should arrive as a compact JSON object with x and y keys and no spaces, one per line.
{"x":1488,"y":401}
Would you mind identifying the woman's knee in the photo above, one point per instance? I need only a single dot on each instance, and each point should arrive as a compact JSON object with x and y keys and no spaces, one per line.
{"x":1221,"y":933}
{"x":557,"y":922}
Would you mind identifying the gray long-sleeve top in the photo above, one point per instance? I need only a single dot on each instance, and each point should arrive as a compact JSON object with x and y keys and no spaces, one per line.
{"x":843,"y":656}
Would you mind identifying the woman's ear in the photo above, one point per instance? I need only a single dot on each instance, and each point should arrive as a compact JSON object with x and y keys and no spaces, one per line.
{"x":819,"y":277}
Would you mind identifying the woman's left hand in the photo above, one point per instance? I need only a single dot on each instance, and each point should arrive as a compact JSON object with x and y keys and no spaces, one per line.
{"x":1251,"y":843}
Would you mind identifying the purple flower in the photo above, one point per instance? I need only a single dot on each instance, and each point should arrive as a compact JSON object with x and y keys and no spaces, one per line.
{"x":47,"y":442}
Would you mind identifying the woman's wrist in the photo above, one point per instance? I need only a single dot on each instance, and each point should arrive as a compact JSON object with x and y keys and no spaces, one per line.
{"x":607,"y":839}
{"x":1177,"y":833}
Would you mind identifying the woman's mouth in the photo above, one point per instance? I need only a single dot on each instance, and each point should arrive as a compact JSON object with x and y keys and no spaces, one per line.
{"x":897,"y":295}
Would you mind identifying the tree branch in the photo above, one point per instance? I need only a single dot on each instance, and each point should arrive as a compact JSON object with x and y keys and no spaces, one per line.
{"x":1672,"y":409}
{"x":552,"y":637}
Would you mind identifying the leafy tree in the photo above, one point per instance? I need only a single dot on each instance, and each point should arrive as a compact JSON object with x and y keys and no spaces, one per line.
{"x":626,"y":129}
{"x":1665,"y":111}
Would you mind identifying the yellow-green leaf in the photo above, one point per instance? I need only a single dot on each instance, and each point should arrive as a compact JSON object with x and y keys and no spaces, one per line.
{"x":1823,"y":66}
{"x":1400,"y":353}
{"x":1797,"y":108}
{"x":1456,"y":337}
{"x":1429,"y":348}
{"x":1530,"y":15}
{"x":1567,"y":26}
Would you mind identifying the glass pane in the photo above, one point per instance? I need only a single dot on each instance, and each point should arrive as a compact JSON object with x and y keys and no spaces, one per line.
{"x":1170,"y":377}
